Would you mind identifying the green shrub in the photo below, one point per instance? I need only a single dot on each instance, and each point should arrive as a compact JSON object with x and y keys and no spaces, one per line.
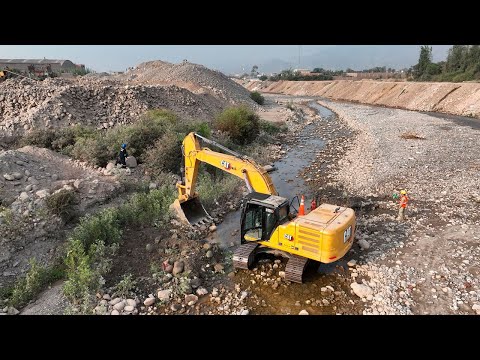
{"x":210,"y":190}
{"x":91,"y":150}
{"x":257,"y":97}
{"x":182,"y":128}
{"x":142,"y":134}
{"x":151,"y":208}
{"x":165,"y":155}
{"x":103,"y":227}
{"x":61,"y":204}
{"x":67,"y":137}
{"x":272,"y":128}
{"x":36,"y":280}
{"x":81,"y":277}
{"x":202,"y":129}
{"x":39,"y":138}
{"x":240,"y":123}
{"x":125,"y":286}
{"x":95,"y":240}
{"x":85,"y":270}
{"x":163,"y":116}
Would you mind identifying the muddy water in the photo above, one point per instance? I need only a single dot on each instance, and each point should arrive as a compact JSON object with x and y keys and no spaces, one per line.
{"x":290,"y":299}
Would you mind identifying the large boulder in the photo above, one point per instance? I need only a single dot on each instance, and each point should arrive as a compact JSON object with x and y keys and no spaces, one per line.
{"x":361,"y":290}
{"x":131,"y":162}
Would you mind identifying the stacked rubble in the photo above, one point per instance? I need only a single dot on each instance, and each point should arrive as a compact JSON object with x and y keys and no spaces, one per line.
{"x":26,"y":105}
{"x":194,"y":77}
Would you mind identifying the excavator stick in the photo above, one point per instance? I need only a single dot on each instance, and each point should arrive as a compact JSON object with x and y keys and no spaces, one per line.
{"x":192,"y":212}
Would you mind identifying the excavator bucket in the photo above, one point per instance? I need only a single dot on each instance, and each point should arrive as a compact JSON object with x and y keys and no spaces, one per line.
{"x":191,"y":211}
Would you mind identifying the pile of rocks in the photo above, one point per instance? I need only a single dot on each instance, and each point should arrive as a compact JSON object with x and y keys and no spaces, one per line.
{"x":196,"y":78}
{"x":59,"y":102}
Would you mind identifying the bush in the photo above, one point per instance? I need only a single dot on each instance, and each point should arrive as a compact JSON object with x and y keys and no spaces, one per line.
{"x":91,"y":150}
{"x":36,"y":280}
{"x":202,"y":129}
{"x":257,"y":97}
{"x":85,"y":270}
{"x":240,"y":123}
{"x":67,"y":137}
{"x":142,"y":134}
{"x":95,"y":240}
{"x":151,"y":208}
{"x":125,"y":286}
{"x":61,"y":204}
{"x":103,"y":227}
{"x":272,"y":128}
{"x":40,"y":138}
{"x":165,"y":155}
{"x":210,"y":190}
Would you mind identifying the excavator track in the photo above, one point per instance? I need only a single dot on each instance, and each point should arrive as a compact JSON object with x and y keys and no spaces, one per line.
{"x":294,"y":269}
{"x":244,"y":256}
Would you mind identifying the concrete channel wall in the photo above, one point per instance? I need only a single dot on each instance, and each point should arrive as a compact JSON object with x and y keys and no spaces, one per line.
{"x":452,"y":98}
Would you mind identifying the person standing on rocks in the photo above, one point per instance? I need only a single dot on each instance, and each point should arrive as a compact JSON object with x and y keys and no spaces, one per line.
{"x":122,"y":156}
{"x":403,"y":205}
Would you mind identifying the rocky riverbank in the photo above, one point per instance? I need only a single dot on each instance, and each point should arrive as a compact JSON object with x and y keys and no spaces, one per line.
{"x":428,"y":264}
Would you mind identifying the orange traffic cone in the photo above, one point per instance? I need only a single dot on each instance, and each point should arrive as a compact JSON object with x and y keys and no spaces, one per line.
{"x":313,"y":205}
{"x":301,"y":209}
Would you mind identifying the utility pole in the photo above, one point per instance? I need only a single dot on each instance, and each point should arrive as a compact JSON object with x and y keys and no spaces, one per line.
{"x":299,"y":56}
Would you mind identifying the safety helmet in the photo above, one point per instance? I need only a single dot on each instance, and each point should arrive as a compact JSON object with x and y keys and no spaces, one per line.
{"x":403,"y":192}
{"x":124,"y":146}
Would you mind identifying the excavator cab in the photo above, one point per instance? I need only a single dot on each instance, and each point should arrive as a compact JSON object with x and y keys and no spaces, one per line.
{"x":261,"y":214}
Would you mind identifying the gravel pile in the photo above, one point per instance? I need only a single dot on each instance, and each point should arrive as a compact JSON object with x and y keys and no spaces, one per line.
{"x":194,"y":77}
{"x":26,"y":105}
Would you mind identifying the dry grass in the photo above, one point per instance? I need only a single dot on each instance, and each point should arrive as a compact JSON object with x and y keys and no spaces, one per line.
{"x":412,"y":136}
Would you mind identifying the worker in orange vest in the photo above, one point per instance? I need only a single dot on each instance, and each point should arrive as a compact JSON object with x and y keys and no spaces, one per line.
{"x":403,"y":205}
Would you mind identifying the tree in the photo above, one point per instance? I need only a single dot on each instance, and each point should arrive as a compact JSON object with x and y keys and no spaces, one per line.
{"x":254,"y":71}
{"x":457,"y":58}
{"x":424,"y":61}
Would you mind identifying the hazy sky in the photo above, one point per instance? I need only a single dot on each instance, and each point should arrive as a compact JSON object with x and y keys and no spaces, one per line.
{"x":228,"y":58}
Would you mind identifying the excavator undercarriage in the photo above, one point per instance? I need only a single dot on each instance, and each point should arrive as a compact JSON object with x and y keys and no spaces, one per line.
{"x":244,"y":258}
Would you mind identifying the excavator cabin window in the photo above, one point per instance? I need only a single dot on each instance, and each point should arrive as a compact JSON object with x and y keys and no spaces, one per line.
{"x":252,"y":229}
{"x":259,"y":221}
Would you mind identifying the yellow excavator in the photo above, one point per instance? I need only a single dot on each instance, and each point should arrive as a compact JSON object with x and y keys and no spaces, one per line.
{"x":325,"y":234}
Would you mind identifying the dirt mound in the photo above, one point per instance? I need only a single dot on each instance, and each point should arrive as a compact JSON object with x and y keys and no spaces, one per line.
{"x":452,"y":98}
{"x":27,"y":177}
{"x":196,"y":78}
{"x":104,"y":103}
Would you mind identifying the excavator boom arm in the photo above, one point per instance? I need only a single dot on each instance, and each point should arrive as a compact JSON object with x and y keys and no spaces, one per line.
{"x":255,"y":176}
